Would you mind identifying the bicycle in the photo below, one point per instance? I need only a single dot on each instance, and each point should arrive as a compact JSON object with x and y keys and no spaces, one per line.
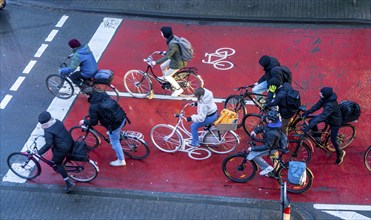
{"x":303,"y":146}
{"x":169,"y":139}
{"x":27,"y":166}
{"x":61,"y":86}
{"x":367,"y":158}
{"x":237,"y":103}
{"x":237,"y":168}
{"x":132,"y":142}
{"x":139,"y":84}
{"x":218,"y":59}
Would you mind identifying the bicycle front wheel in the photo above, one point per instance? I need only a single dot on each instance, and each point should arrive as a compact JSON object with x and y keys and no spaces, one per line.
{"x":135,"y":148}
{"x":188,"y":81}
{"x":297,"y":189}
{"x":81,"y":171}
{"x":250,"y":122}
{"x":59,"y":86}
{"x":220,"y":142}
{"x":367,"y":158}
{"x":137,"y":84}
{"x":346,"y":135}
{"x":166,"y":139}
{"x":298,"y":152}
{"x":237,"y":168}
{"x":109,"y":89}
{"x":237,"y":104}
{"x":24,"y":165}
{"x":82,"y":133}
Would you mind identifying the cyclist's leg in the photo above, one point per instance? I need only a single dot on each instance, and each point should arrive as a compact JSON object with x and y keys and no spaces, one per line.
{"x":114,"y":137}
{"x":196,"y":125}
{"x":76,"y":78}
{"x":339,"y":152}
{"x":59,"y":168}
{"x":285,"y":123}
{"x":260,"y":89}
{"x":164,"y":67}
{"x":263,"y":165}
{"x":169,"y":77}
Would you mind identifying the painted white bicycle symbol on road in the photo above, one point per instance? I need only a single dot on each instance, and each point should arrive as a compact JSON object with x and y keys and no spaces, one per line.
{"x":218,"y":58}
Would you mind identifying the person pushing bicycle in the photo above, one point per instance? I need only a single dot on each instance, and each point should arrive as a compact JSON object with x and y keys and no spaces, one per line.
{"x":82,"y":57}
{"x":60,"y":140}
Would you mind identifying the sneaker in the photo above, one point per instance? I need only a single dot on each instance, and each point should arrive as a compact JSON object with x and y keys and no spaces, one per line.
{"x":192,"y":145}
{"x":177,"y":92}
{"x":118,"y":163}
{"x":69,"y":186}
{"x":161,"y":78}
{"x":266,"y":171}
{"x":340,"y":159}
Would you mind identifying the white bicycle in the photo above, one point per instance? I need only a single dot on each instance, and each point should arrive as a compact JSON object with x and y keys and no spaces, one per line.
{"x":169,"y":139}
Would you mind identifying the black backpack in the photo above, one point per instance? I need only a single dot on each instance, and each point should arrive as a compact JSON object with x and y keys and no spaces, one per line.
{"x":79,"y":152}
{"x":286,"y":74}
{"x":112,"y":111}
{"x":350,"y":111}
{"x":293,"y":99}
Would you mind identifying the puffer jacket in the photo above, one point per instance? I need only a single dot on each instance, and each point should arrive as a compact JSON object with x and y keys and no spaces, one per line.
{"x":273,"y":62}
{"x":331,"y":113}
{"x":270,"y":136}
{"x":280,"y":99}
{"x":83,"y":58}
{"x":205,"y":107}
{"x":173,"y":53}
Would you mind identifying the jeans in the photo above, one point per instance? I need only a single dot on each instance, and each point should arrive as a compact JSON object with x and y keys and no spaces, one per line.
{"x":260,"y":88}
{"x":196,"y":125}
{"x":114,"y":137}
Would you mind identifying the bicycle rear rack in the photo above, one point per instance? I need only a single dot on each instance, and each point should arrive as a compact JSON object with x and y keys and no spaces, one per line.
{"x":133,"y":134}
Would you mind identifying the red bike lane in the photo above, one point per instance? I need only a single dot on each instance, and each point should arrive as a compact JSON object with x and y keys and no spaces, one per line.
{"x":337,"y":57}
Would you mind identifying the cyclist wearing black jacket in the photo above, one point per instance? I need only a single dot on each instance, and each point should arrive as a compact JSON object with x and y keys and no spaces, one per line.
{"x":60,"y":140}
{"x":331,"y":114}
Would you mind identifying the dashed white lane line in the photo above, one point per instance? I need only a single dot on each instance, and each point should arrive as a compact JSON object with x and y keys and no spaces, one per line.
{"x":17,"y":83}
{"x":41,"y":50}
{"x":61,"y":21}
{"x":5,"y":101}
{"x":51,"y":35}
{"x":29,"y":67}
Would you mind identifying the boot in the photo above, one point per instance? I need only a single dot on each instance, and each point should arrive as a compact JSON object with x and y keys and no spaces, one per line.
{"x":69,"y":186}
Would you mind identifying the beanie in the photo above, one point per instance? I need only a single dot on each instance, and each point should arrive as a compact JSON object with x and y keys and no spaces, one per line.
{"x":276,"y":82}
{"x":44,"y":117}
{"x":167,"y":32}
{"x":326,"y":92}
{"x":264,"y":61}
{"x":74,"y":43}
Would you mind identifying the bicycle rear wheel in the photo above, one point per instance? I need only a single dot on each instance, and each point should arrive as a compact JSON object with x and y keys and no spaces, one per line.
{"x":188,"y":81}
{"x":346,"y":135}
{"x":81,"y":171}
{"x":220,"y":142}
{"x":137,"y":84}
{"x":298,"y":152}
{"x":23,"y":165}
{"x":250,"y":122}
{"x":82,"y":133}
{"x":135,"y":148}
{"x":59,"y":86}
{"x":297,"y":189}
{"x":237,"y":104}
{"x":166,"y":139}
{"x":367,"y":158}
{"x":109,"y":89}
{"x":237,"y":168}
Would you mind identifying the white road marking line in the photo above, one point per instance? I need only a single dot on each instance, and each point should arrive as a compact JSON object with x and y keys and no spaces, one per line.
{"x":41,"y":50}
{"x":61,"y":21}
{"x":60,"y":107}
{"x":17,"y":83}
{"x":51,"y":35}
{"x":29,"y":66}
{"x":348,"y":215}
{"x":5,"y":101}
{"x":342,"y":207}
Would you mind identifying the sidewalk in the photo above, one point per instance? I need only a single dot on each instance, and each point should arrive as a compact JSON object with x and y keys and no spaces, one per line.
{"x":297,"y":11}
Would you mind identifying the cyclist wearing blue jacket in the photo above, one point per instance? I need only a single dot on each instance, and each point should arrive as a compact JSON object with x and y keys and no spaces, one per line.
{"x":82,"y":57}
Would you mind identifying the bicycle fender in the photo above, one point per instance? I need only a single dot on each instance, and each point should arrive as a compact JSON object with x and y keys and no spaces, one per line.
{"x":238,"y":137}
{"x":307,"y":140}
{"x":310,"y":171}
{"x":94,"y":164}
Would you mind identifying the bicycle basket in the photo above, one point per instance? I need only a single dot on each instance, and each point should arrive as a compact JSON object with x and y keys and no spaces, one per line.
{"x":226,"y":127}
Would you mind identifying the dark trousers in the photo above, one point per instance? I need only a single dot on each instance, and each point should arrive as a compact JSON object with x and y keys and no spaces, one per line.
{"x":77,"y":78}
{"x":59,"y":168}
{"x":334,"y":130}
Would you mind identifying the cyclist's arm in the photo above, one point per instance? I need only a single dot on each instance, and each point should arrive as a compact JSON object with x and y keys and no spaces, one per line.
{"x":48,"y":143}
{"x":316,"y":106}
{"x":75,"y":62}
{"x":93,"y":116}
{"x":169,"y":53}
{"x":327,"y":111}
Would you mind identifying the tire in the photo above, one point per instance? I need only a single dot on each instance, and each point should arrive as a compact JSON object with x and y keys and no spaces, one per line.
{"x":81,"y":171}
{"x":237,"y":104}
{"x":135,"y":148}
{"x":237,"y":168}
{"x":137,"y":84}
{"x":367,"y":158}
{"x":346,"y":135}
{"x":24,"y":165}
{"x":224,"y":143}
{"x":110,"y":90}
{"x":59,"y":86}
{"x":199,"y":154}
{"x":250,"y":121}
{"x":81,"y":133}
{"x":292,"y":188}
{"x":188,"y":81}
{"x":159,"y":137}
{"x":298,"y":152}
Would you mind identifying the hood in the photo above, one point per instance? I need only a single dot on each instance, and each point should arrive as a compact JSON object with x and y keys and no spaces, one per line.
{"x":83,"y":50}
{"x":97,"y":97}
{"x":276,"y":124}
{"x":333,"y":97}
{"x":207,"y":97}
{"x":273,"y":62}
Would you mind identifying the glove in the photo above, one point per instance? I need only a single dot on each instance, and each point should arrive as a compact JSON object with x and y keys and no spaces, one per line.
{"x":194,"y":104}
{"x":153,"y":63}
{"x":249,"y":149}
{"x":253,"y":134}
{"x":305,"y":114}
{"x":255,"y":84}
{"x":189,"y":119}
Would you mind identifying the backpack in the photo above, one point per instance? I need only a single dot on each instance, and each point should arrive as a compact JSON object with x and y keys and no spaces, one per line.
{"x":186,"y":49}
{"x":297,"y":173}
{"x":350,"y":111}
{"x":103,"y":77}
{"x":293,"y":99}
{"x":112,"y":111}
{"x":286,"y":74}
{"x":283,"y":144}
{"x":79,"y":151}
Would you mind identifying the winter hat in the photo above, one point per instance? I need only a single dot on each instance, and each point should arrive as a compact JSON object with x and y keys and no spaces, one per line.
{"x":74,"y":43}
{"x":44,"y":117}
{"x":326,"y":92}
{"x":264,"y":61}
{"x":276,"y":82}
{"x":167,"y":32}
